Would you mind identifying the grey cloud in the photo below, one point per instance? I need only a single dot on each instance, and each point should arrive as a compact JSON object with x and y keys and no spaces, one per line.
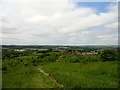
{"x":57,"y":23}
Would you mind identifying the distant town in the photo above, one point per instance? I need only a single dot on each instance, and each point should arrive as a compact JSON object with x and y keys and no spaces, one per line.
{"x":83,"y":50}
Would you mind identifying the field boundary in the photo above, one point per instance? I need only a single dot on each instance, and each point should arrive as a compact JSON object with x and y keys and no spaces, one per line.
{"x":48,"y":75}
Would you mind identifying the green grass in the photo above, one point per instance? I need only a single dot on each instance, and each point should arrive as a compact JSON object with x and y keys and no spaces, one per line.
{"x":26,"y":77}
{"x":70,"y":75}
{"x":84,"y":75}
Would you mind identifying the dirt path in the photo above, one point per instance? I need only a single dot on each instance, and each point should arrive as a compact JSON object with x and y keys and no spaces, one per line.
{"x":48,"y":75}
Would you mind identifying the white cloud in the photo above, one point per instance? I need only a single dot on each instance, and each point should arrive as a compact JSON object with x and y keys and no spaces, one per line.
{"x":60,"y":22}
{"x":113,"y":26}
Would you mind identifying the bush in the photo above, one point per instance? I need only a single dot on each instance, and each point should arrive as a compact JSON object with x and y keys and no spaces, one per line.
{"x":76,"y":59}
{"x":4,"y":68}
{"x":108,"y":55}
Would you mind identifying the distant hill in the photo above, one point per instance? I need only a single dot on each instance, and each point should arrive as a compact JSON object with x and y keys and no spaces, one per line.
{"x":56,"y":46}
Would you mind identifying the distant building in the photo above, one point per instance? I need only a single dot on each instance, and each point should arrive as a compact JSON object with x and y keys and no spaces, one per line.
{"x":20,"y":50}
{"x":89,"y":53}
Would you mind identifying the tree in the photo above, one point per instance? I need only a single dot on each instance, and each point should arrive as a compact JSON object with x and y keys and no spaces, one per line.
{"x":108,"y":55}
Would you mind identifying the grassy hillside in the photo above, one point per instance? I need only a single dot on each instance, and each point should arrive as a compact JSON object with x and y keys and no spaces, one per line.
{"x":56,"y":69}
{"x":84,"y":75}
{"x":26,"y":77}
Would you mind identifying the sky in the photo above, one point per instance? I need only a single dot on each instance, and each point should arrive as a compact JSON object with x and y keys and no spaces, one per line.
{"x":98,"y":6}
{"x":62,"y":22}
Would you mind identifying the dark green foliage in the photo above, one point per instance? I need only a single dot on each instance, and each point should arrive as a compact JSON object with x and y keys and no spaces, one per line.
{"x":6,"y":53}
{"x":108,"y":55}
{"x":13,"y":58}
{"x":4,"y":68}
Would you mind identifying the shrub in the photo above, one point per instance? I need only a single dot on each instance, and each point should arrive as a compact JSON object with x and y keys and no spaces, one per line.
{"x":108,"y":55}
{"x":4,"y":68}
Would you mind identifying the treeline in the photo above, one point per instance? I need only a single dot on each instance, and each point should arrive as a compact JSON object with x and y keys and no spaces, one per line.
{"x":14,"y":58}
{"x":8,"y":54}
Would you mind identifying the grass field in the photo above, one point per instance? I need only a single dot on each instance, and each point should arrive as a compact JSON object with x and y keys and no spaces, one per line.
{"x":84,"y":75}
{"x":70,"y":75}
{"x":26,"y":77}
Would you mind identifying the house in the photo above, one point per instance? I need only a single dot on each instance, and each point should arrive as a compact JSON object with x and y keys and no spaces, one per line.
{"x":20,"y":50}
{"x":89,"y":53}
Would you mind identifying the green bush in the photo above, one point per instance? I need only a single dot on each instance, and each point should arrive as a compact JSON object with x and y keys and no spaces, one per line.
{"x":108,"y":55}
{"x":4,"y":67}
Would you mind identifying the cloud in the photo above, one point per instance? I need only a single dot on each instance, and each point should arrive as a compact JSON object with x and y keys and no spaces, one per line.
{"x":60,"y":22}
